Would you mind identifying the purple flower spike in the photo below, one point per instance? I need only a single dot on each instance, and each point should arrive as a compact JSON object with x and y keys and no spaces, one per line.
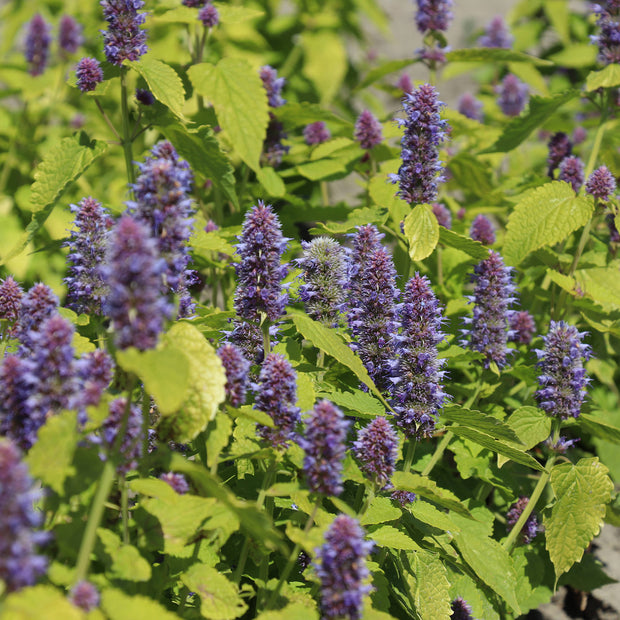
{"x":316,"y":133}
{"x":461,"y":610}
{"x":85,"y":596}
{"x":237,"y":370}
{"x":38,"y":304}
{"x":324,"y":265}
{"x":572,"y":171}
{"x":443,"y":215}
{"x":368,"y":131}
{"x":531,"y":528}
{"x":418,"y":392}
{"x":69,"y":34}
{"x":601,"y":184}
{"x":88,"y":73}
{"x":405,"y":84}
{"x":38,"y":39}
{"x":94,"y":370}
{"x":425,"y":131}
{"x":496,"y":34}
{"x":470,"y":107}
{"x":176,"y":481}
{"x":129,"y":421}
{"x":376,"y":449}
{"x":194,"y":4}
{"x":324,"y":445}
{"x":560,"y":147}
{"x":493,"y":295}
{"x":513,"y":95}
{"x":482,"y":230}
{"x":608,"y":39}
{"x":404,"y":498}
{"x":341,"y":567}
{"x":563,"y":381}
{"x":433,"y":15}
{"x":145,"y":97}
{"x":124,"y":39}
{"x":273,"y":85}
{"x":209,"y":16}
{"x":11,"y":294}
{"x":522,"y":327}
{"x":133,"y":273}
{"x":273,"y":149}
{"x":20,"y":566}
{"x":276,"y":394}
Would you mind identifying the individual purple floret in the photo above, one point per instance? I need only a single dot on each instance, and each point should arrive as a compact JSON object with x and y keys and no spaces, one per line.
{"x":237,"y":370}
{"x":522,"y":327}
{"x":418,"y":391}
{"x":368,"y":131}
{"x":38,"y":304}
{"x":324,"y":444}
{"x":124,"y":39}
{"x":211,"y":226}
{"x":324,"y":265}
{"x":88,"y":73}
{"x":20,"y":566}
{"x":144,"y":96}
{"x":133,"y":273}
{"x":531,"y":528}
{"x":176,"y":481}
{"x":273,"y":85}
{"x":316,"y":133}
{"x":608,"y":39}
{"x":572,"y":171}
{"x":482,"y":230}
{"x":276,"y":395}
{"x":38,"y":39}
{"x":421,"y":170}
{"x":86,"y":289}
{"x":443,"y":215}
{"x":461,"y":610}
{"x":560,"y":147}
{"x":496,"y":34}
{"x":11,"y":294}
{"x":85,"y":596}
{"x":376,"y":449}
{"x":127,"y":420}
{"x":601,"y":184}
{"x":492,"y":298}
{"x":209,"y":16}
{"x":513,"y":95}
{"x":470,"y":107}
{"x":94,"y":370}
{"x":433,"y":15}
{"x":69,"y":34}
{"x":404,"y":498}
{"x":563,"y":381}
{"x":561,"y":445}
{"x":341,"y":567}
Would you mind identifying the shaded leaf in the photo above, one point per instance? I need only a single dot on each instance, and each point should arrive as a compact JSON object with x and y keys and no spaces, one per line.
{"x":475,"y":249}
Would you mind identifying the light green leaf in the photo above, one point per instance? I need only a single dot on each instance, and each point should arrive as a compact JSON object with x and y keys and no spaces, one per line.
{"x":306,"y":395}
{"x":271,"y":181}
{"x":234,"y":14}
{"x":602,"y":285}
{"x":475,"y":249}
{"x":359,"y":401}
{"x":480,"y":421}
{"x":57,"y":437}
{"x":427,"y":513}
{"x":599,"y":429}
{"x":28,"y":603}
{"x":432,"y":589}
{"x":388,"y":536}
{"x":162,"y":81}
{"x":125,"y":560}
{"x":493,"y":55}
{"x":321,"y":169}
{"x":247,"y":411}
{"x":212,"y":241}
{"x":219,"y":597}
{"x":544,"y":217}
{"x":294,"y":611}
{"x":576,"y":56}
{"x":582,"y":491}
{"x":609,"y":77}
{"x":218,"y":433}
{"x":380,"y":510}
{"x":422,"y":232}
{"x":530,"y":75}
{"x":240,"y":101}
{"x":559,"y":17}
{"x":299,"y":114}
{"x":472,"y":175}
{"x":384,"y":69}
{"x":531,"y":425}
{"x":120,"y":606}
{"x":383,"y":193}
{"x":325,"y":61}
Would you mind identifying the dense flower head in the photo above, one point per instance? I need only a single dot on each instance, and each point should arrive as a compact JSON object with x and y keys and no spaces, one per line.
{"x":86,"y":288}
{"x":572,"y":171}
{"x":248,"y":336}
{"x":492,"y":298}
{"x":424,"y":131}
{"x":276,"y":394}
{"x":133,"y":273}
{"x":433,"y":55}
{"x":563,"y":381}
{"x":368,"y":131}
{"x":601,"y":184}
{"x":443,"y":215}
{"x":88,"y":73}
{"x":127,"y":420}
{"x":522,"y":327}
{"x":376,"y":448}
{"x":237,"y":369}
{"x":560,"y":146}
{"x":38,"y":39}
{"x":496,"y":34}
{"x":341,"y":567}
{"x":20,"y":566}
{"x":316,"y":133}
{"x":194,"y":4}
{"x":144,"y":96}
{"x":579,"y":135}
{"x":404,"y":83}
{"x":209,"y":16}
{"x":37,"y":304}
{"x":85,"y":596}
{"x":470,"y":107}
{"x":324,"y":265}
{"x":482,"y":230}
{"x":94,"y":370}
{"x":461,"y":610}
{"x":11,"y":294}
{"x":176,"y":481}
{"x":324,"y":444}
{"x":404,"y":498}
{"x":608,"y":37}
{"x":124,"y":39}
{"x":433,"y":15}
{"x":513,"y":95}
{"x":531,"y":528}
{"x":418,"y":392}
{"x":273,"y":85}
{"x":69,"y":34}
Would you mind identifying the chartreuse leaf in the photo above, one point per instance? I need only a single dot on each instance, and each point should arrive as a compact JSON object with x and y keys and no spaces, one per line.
{"x":531,"y":426}
{"x":294,"y":611}
{"x":388,"y":536}
{"x":271,"y":181}
{"x":325,"y":61}
{"x":475,"y":249}
{"x":544,"y":217}
{"x":162,"y":81}
{"x":126,"y":561}
{"x":298,"y":114}
{"x":218,"y":433}
{"x":30,"y":602}
{"x":120,"y":606}
{"x":219,"y":597}
{"x":480,"y":421}
{"x":381,"y":510}
{"x":601,"y":284}
{"x":599,"y":428}
{"x":493,"y":55}
{"x":609,"y":77}
{"x":431,"y":589}
{"x":429,"y":514}
{"x":57,"y":437}
{"x":359,"y":401}
{"x":240,"y":101}
{"x":422,"y":232}
{"x":582,"y":492}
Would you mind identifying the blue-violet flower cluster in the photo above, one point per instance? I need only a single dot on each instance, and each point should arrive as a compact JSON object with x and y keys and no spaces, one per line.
{"x":368,"y":131}
{"x":496,"y":34}
{"x":69,"y":34}
{"x":531,"y":528}
{"x":572,"y":171}
{"x":433,"y":15}
{"x":376,"y":449}
{"x":601,"y":184}
{"x":482,"y":230}
{"x":38,"y":39}
{"x":124,"y":39}
{"x":237,"y":370}
{"x":461,"y":610}
{"x":608,"y":38}
{"x":513,"y":95}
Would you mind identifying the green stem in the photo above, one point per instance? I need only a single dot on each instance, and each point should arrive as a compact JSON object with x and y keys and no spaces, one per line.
{"x":106,"y":118}
{"x":369,"y":499}
{"x":411,"y":444}
{"x":126,"y":140}
{"x":441,"y":448}
{"x":266,"y":337}
{"x":324,"y":194}
{"x":125,"y":509}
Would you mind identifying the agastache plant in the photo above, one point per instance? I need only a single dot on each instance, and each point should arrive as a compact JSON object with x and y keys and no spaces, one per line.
{"x":531,"y":528}
{"x":273,"y":149}
{"x":572,"y":171}
{"x":38,"y":304}
{"x":496,"y":34}
{"x":376,"y":449}
{"x":470,"y":107}
{"x":237,"y":369}
{"x":88,"y":74}
{"x":11,"y":294}
{"x":124,"y":39}
{"x":125,"y":418}
{"x":601,"y":184}
{"x":461,"y":610}
{"x":69,"y":34}
{"x":38,"y":39}
{"x":560,"y":146}
{"x":482,"y":230}
{"x":513,"y":95}
{"x":608,"y":38}
{"x":368,"y":131}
